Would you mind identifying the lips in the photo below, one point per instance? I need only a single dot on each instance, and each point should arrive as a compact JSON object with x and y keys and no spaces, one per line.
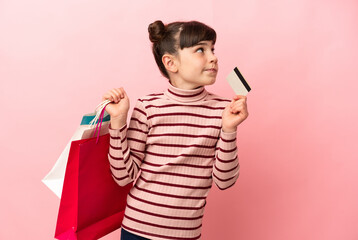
{"x":214,"y":70}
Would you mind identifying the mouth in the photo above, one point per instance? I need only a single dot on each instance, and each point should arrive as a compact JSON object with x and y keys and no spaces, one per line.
{"x":212,"y":70}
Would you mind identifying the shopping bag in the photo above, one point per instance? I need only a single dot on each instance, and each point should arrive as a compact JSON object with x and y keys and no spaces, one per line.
{"x":54,"y":179}
{"x":92,"y":203}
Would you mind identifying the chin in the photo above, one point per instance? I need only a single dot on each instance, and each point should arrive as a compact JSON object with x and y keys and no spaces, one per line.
{"x":211,"y":82}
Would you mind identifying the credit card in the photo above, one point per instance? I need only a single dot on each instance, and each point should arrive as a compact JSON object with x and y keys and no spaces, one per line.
{"x":238,"y":82}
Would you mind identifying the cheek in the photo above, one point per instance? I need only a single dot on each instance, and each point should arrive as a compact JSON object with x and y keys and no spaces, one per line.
{"x":198,"y":61}
{"x":201,"y":65}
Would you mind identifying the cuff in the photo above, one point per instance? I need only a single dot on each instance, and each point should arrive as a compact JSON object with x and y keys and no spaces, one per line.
{"x":117,"y":132}
{"x":228,"y":136}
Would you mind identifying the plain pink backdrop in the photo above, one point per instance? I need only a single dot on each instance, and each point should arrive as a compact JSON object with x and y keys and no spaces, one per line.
{"x":297,"y":148}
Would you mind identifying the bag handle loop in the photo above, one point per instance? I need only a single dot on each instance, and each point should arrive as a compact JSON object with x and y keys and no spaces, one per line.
{"x":100,"y":109}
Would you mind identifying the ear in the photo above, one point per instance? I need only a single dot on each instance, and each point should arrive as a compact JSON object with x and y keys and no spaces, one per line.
{"x":170,"y":63}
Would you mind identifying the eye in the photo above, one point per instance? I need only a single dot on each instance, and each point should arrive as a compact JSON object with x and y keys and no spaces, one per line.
{"x":200,"y":50}
{"x":213,"y":50}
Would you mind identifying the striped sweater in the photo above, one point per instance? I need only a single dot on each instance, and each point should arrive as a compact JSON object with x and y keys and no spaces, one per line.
{"x":176,"y":146}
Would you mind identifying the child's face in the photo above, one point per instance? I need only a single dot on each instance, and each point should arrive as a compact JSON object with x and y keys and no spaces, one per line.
{"x":197,"y":65}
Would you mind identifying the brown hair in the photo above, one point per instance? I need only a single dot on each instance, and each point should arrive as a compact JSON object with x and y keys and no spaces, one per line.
{"x":169,"y":38}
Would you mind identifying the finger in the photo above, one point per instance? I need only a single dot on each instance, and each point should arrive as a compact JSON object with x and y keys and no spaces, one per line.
{"x":235,"y":110}
{"x":118,"y":94}
{"x":122,"y":92}
{"x":115,"y":94}
{"x":241,"y":100}
{"x":117,"y":91}
{"x":106,"y":96}
{"x":238,"y":108}
{"x":241,"y":109}
{"x":237,"y":103}
{"x":237,"y":97}
{"x":109,"y":96}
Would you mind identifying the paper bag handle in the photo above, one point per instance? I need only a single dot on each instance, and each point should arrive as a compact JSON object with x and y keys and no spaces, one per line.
{"x":99,"y":116}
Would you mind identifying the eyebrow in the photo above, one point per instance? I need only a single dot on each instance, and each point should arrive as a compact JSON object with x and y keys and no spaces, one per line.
{"x":202,"y":43}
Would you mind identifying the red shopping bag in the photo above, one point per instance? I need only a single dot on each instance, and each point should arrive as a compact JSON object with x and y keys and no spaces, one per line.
{"x":92,"y":203}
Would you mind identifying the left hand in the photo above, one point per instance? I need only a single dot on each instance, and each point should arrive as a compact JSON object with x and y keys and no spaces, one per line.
{"x":234,"y":113}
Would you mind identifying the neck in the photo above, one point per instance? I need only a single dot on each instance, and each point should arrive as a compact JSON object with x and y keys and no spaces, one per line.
{"x":186,"y":95}
{"x":184,"y":85}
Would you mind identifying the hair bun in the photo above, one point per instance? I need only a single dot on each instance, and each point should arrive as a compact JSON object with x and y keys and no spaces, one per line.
{"x":156,"y":31}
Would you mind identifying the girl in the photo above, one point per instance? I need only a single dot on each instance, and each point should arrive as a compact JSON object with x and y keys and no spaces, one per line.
{"x":182,"y":139}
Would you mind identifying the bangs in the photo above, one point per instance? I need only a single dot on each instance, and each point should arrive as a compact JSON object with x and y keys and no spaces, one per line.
{"x":194,"y":32}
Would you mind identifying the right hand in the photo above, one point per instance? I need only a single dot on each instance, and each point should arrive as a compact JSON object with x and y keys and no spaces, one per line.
{"x":119,"y":107}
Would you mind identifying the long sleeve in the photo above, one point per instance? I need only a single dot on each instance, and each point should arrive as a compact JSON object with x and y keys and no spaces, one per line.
{"x":226,"y":167}
{"x":127,"y":147}
{"x":176,"y":140}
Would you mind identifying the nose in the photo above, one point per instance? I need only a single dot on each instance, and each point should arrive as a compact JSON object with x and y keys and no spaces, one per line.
{"x":213,"y":58}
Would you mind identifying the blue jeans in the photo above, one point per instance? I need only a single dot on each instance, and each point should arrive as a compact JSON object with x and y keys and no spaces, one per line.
{"x":125,"y":235}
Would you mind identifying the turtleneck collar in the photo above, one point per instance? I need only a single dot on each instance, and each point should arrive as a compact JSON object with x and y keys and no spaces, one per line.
{"x":183,"y":95}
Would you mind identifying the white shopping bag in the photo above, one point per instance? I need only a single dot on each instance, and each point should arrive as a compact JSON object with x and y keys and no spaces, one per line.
{"x":54,"y":179}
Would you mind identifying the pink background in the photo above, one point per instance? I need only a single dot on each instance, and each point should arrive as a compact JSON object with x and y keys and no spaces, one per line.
{"x":297,"y":148}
